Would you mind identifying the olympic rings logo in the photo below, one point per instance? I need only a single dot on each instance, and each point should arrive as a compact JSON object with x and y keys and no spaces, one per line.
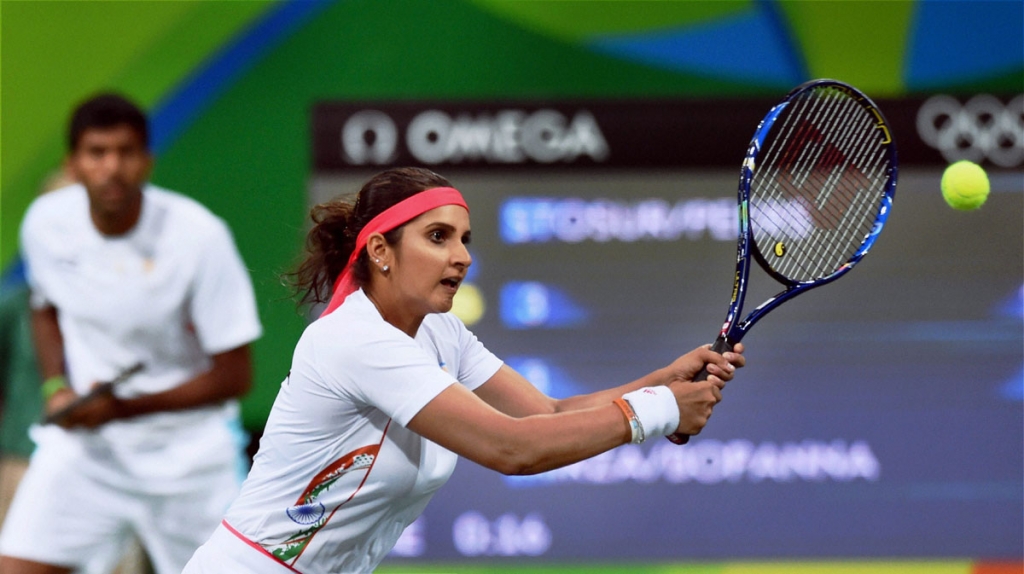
{"x":982,"y":129}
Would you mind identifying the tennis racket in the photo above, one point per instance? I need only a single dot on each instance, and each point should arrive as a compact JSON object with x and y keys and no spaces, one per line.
{"x":815,"y":190}
{"x":97,"y":391}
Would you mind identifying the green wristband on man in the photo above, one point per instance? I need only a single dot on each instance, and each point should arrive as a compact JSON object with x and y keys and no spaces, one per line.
{"x":53,"y":385}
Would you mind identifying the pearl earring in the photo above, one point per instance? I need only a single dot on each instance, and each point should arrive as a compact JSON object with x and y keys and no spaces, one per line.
{"x":385,"y":268}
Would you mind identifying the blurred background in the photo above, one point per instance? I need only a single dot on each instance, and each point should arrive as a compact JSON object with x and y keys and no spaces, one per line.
{"x":878,"y":426}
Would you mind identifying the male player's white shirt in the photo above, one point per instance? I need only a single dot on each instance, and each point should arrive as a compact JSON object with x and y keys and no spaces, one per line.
{"x":167,"y":294}
{"x":338,"y":476}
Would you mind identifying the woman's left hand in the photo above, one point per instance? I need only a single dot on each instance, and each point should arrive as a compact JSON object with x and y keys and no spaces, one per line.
{"x":723,"y":366}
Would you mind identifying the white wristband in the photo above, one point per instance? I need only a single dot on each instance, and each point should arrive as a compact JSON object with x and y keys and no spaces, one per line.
{"x":656,"y":408}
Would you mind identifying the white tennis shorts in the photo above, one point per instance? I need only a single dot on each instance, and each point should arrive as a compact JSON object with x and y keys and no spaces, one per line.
{"x":64,"y":516}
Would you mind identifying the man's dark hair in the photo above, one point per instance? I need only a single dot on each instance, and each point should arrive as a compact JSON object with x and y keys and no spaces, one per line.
{"x":106,"y":111}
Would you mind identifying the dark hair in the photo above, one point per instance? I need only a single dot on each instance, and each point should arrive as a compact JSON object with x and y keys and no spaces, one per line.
{"x":106,"y":111}
{"x":337,"y":223}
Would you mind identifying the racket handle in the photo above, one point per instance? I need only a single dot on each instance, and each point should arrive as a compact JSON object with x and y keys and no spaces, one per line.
{"x":721,"y":345}
{"x":58,"y":416}
{"x":100,"y":389}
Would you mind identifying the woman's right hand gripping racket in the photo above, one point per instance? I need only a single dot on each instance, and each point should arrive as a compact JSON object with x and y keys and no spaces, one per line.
{"x":815,"y":189}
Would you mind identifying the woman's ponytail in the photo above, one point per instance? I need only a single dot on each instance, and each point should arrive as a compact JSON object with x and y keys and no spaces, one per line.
{"x":328,"y":245}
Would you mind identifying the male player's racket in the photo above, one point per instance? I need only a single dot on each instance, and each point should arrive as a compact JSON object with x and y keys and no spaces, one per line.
{"x":96,"y":392}
{"x":816,"y":187}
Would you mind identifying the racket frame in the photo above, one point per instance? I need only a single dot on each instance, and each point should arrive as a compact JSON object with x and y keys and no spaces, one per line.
{"x":734,"y":329}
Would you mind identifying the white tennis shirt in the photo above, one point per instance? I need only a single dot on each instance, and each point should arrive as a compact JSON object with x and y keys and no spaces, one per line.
{"x":338,"y":477}
{"x":167,"y":294}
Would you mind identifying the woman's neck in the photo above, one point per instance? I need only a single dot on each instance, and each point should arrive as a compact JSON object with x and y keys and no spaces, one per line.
{"x":391,"y":311}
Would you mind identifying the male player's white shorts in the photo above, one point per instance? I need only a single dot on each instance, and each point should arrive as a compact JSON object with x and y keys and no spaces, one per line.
{"x":227,"y":552}
{"x":64,"y":516}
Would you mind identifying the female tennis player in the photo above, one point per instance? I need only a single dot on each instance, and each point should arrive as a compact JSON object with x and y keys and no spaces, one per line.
{"x":387,"y":389}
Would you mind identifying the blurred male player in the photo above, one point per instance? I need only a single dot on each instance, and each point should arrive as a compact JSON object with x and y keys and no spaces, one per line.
{"x":125,"y":273}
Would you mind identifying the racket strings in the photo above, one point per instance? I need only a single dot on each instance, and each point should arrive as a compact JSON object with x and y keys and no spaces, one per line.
{"x":842,"y":124}
{"x":853,"y":229}
{"x":846,"y":226}
{"x":818,"y":187}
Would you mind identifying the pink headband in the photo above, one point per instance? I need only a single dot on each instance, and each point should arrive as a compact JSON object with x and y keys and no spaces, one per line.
{"x":398,"y":214}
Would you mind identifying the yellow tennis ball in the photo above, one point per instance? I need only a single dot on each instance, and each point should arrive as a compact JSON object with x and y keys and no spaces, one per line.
{"x":469,"y":304}
{"x":965,"y":185}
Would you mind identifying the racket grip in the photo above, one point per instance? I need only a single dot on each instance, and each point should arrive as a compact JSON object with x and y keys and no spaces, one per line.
{"x":60,"y":415}
{"x":721,"y":345}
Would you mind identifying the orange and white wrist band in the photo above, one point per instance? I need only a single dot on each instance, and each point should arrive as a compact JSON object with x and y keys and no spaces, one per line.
{"x":654,"y":410}
{"x":636,"y":429}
